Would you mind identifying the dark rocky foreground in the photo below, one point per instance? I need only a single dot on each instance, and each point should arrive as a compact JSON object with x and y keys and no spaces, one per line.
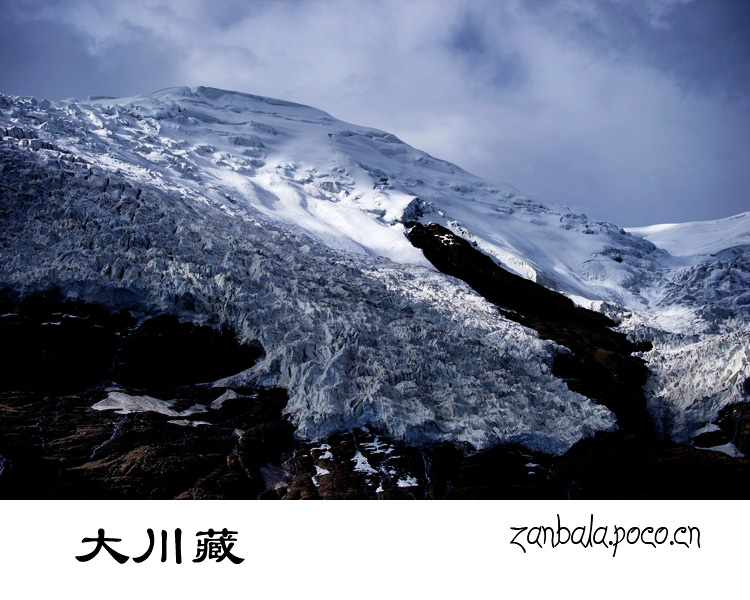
{"x":60,"y":358}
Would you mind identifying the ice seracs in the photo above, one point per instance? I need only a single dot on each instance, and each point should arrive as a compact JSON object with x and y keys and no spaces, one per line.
{"x":698,"y":318}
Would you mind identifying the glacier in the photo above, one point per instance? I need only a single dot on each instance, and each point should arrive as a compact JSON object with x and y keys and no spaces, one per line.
{"x":699,"y":321}
{"x":289,"y":226}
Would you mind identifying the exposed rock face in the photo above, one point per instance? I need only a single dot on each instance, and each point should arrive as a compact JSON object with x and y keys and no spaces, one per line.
{"x":55,"y":346}
{"x":162,"y":352}
{"x":734,"y":421}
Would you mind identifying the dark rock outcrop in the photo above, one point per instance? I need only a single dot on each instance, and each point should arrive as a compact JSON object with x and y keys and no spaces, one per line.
{"x":62,"y":347}
{"x":364,"y":465}
{"x":734,"y":421}
{"x":600,"y":364}
{"x":162,"y":353}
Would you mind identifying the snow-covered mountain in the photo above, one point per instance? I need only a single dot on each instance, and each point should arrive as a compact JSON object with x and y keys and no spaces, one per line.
{"x":291,"y":227}
{"x":698,"y":318}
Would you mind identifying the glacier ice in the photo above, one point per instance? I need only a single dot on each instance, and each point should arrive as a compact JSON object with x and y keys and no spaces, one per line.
{"x":288,"y":225}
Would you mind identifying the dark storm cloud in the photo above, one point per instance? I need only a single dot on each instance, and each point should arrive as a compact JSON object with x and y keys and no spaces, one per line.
{"x":226,"y":14}
{"x":703,"y":44}
{"x":42,"y":57}
{"x":634,"y":111}
{"x":56,"y":60}
{"x":490,"y":61}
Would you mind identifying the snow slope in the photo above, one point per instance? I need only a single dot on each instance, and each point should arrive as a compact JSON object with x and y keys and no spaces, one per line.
{"x":699,"y":238}
{"x":290,"y":225}
{"x":346,"y":185}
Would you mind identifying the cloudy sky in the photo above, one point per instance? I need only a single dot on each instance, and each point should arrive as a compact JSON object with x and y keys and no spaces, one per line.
{"x":632,"y":111}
